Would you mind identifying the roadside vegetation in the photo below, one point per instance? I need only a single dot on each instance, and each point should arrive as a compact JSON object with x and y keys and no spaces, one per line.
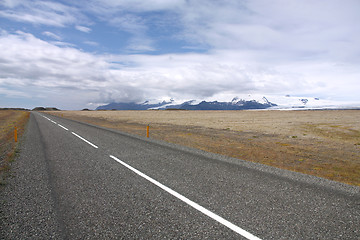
{"x":9,"y":119}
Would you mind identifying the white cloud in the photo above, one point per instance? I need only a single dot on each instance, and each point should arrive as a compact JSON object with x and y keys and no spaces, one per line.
{"x":297,"y":47}
{"x":67,"y":75}
{"x":91,"y":43}
{"x":34,"y":62}
{"x":136,"y":26}
{"x":140,"y":44}
{"x":282,"y":29}
{"x":62,"y":44}
{"x":129,"y":23}
{"x":13,"y":93}
{"x":106,"y":6}
{"x":277,"y":30}
{"x":52,"y":35}
{"x":30,"y":64}
{"x":83,"y":29}
{"x":42,"y":13}
{"x":11,"y":3}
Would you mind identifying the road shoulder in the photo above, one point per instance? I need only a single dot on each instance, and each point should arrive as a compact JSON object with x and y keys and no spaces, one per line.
{"x":26,"y":201}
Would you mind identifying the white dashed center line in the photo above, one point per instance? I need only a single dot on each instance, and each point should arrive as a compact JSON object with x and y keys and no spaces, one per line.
{"x":208,"y":213}
{"x":63,"y":127}
{"x":88,"y":142}
{"x":85,"y":140}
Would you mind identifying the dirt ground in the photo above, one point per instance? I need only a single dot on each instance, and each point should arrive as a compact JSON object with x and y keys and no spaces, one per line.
{"x":324,"y":143}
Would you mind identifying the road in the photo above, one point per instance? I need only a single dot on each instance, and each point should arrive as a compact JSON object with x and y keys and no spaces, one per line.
{"x":77,"y":181}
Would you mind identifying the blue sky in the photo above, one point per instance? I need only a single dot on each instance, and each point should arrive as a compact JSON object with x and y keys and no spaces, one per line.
{"x":81,"y":54}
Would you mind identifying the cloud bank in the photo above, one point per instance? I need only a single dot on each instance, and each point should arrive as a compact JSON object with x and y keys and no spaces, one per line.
{"x":179,"y":49}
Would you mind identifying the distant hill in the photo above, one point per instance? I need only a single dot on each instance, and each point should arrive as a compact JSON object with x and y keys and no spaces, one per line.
{"x":19,"y":109}
{"x":45,"y":109}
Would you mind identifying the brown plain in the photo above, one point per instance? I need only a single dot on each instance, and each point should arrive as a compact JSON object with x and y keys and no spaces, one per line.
{"x":324,"y":143}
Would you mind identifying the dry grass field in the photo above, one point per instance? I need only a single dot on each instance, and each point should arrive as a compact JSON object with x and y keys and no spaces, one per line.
{"x":322,"y":143}
{"x":8,"y":120}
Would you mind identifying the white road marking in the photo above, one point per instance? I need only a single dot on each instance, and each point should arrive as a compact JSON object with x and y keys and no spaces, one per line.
{"x":63,"y":127}
{"x":208,"y":213}
{"x":49,"y":119}
{"x":59,"y":125}
{"x":85,"y":140}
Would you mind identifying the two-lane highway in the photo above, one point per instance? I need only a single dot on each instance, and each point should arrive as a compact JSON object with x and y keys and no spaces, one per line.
{"x":77,"y":181}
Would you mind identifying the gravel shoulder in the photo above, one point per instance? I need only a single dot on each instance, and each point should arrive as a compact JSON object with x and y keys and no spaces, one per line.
{"x":26,"y":202}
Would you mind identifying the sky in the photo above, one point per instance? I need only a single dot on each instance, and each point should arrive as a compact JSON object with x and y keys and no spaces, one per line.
{"x":85,"y":53}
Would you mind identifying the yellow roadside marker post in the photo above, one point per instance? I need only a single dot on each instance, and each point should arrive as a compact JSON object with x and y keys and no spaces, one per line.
{"x":15,"y":134}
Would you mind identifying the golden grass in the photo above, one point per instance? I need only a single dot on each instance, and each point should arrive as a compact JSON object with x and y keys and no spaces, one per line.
{"x":321,"y":143}
{"x":8,"y":120}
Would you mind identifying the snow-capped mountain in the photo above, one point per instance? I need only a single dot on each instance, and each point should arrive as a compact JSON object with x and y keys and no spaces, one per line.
{"x":236,"y":103}
{"x":133,"y":106}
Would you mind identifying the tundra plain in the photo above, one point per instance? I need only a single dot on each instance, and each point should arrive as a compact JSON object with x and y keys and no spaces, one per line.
{"x":324,"y":143}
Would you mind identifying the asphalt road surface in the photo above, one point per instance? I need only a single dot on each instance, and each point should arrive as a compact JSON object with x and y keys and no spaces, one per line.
{"x":77,"y":181}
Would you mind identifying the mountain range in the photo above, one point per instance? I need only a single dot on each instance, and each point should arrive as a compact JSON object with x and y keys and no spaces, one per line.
{"x":235,"y":104}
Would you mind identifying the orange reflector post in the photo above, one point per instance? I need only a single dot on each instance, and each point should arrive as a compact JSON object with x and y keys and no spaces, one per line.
{"x":15,"y":134}
{"x":147,"y":131}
